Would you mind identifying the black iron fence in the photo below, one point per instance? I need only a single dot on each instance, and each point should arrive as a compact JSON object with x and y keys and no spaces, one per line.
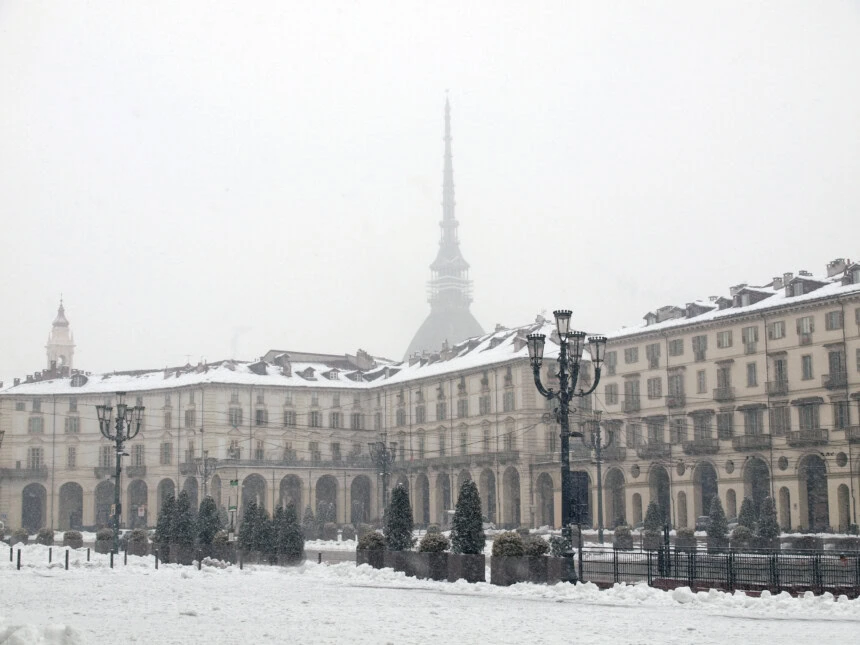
{"x":795,"y":572}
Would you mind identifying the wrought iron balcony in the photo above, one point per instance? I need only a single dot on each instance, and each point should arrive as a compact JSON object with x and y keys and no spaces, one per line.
{"x":676,"y":400}
{"x":746,"y":442}
{"x":654,"y":450}
{"x":835,"y":380}
{"x":103,"y":472}
{"x":631,"y":405}
{"x":348,"y":461}
{"x":24,"y":473}
{"x":136,"y":471}
{"x":852,"y":433}
{"x":614,"y":453}
{"x":702,"y":446}
{"x":804,"y":438}
{"x":724,"y":394}
{"x":777,"y":388}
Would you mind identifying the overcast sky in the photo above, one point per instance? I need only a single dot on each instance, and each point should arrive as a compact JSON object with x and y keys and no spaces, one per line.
{"x":199,"y":178}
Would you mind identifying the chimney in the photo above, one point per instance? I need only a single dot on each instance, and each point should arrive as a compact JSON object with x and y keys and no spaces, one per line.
{"x":836,"y":266}
{"x":500,"y":327}
{"x":804,"y":273}
{"x":777,"y":283}
{"x":786,"y":278}
{"x":17,"y":381}
{"x":712,"y":298}
{"x":733,"y":291}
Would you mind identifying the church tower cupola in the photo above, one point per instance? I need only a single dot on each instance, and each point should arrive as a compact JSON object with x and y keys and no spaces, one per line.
{"x":61,"y":343}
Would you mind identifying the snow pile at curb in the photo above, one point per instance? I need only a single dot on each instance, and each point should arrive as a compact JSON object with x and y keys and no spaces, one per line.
{"x":33,"y":635}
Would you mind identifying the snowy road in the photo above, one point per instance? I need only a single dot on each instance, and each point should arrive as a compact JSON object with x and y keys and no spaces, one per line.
{"x":345,"y":604}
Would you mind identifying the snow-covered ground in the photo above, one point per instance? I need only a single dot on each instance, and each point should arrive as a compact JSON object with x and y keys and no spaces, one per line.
{"x":342,"y":603}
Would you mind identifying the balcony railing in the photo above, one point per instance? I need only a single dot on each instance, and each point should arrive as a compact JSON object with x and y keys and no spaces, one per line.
{"x":349,"y":461}
{"x":24,"y":473}
{"x":702,"y":446}
{"x":777,"y":388}
{"x":676,"y":400}
{"x":614,"y":453}
{"x":654,"y":450}
{"x":835,"y":380}
{"x":136,"y":471}
{"x":631,"y":405}
{"x":751,"y":442}
{"x":852,"y":433}
{"x":102,"y":472}
{"x":804,"y":438}
{"x":724,"y":394}
{"x":460,"y":461}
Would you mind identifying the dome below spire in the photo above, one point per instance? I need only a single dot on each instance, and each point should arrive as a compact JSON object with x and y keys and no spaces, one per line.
{"x":60,"y":320}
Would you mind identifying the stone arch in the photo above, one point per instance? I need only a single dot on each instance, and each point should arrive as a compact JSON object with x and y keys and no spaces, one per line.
{"x":33,"y":502}
{"x":137,"y":498}
{"x":253,"y":490}
{"x":104,"y":498}
{"x":731,"y":504}
{"x":843,"y":500}
{"x":613,"y":493}
{"x":660,"y":489}
{"x":637,"y":509}
{"x":814,"y":502}
{"x":487,"y":484}
{"x":326,"y":496}
{"x":359,"y":494}
{"x":443,"y":498}
{"x":421,"y":502}
{"x":215,"y":490}
{"x":191,"y":488}
{"x":705,"y":487}
{"x":545,"y":500}
{"x":511,"y":483}
{"x":756,"y":481}
{"x":462,"y":477}
{"x":580,"y":498}
{"x":166,"y":488}
{"x":290,"y":492}
{"x":681,"y":515}
{"x":785,"y":509}
{"x":71,"y":506}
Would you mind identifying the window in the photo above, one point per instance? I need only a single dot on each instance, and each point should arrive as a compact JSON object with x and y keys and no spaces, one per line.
{"x":235,"y":417}
{"x":484,"y":404}
{"x":700,"y":347}
{"x":35,"y":458}
{"x":335,"y":420}
{"x":858,"y":359}
{"x":261,"y":417}
{"x":805,"y":325}
{"x":634,"y":435}
{"x":357,"y":421}
{"x":776,"y":330}
{"x":611,"y":362}
{"x":725,"y":424}
{"x":356,"y":400}
{"x":655,"y":431}
{"x":335,"y":400}
{"x":749,"y":336}
{"x":780,"y":420}
{"x":72,"y":457}
{"x":652,"y":353}
{"x":655,"y":388}
{"x":631,"y":395}
{"x":702,"y":427}
{"x":401,"y":417}
{"x":752,"y":375}
{"x":676,"y":385}
{"x":631,"y":355}
{"x":837,"y":364}
{"x":841,"y":414}
{"x":420,"y":414}
{"x":165,"y":454}
{"x":288,"y":397}
{"x":315,"y":400}
{"x":442,"y":447}
{"x":806,"y":367}
{"x":106,"y":454}
{"x":314,"y":450}
{"x":724,"y":378}
{"x":611,"y":391}
{"x":335,"y":451}
{"x":677,"y":430}
{"x":19,"y":406}
{"x":261,"y":399}
{"x":462,"y":408}
{"x":168,"y":420}
{"x":485,"y":439}
{"x":464,"y":442}
{"x":833,"y":320}
{"x":166,"y":401}
{"x":290,"y":418}
{"x":676,"y":347}
{"x":189,"y":451}
{"x":35,"y":425}
{"x":551,"y":441}
{"x":190,"y":418}
{"x":137,"y":455}
{"x":753,"y":422}
{"x":37,"y":405}
{"x":315,"y":419}
{"x":780,"y":370}
{"x":510,"y":438}
{"x":422,"y":446}
{"x":724,"y":339}
{"x":808,"y":416}
{"x":441,"y":410}
{"x":508,"y":401}
{"x":259,"y":451}
{"x":73,"y":404}
{"x":377,"y":421}
{"x":701,"y":382}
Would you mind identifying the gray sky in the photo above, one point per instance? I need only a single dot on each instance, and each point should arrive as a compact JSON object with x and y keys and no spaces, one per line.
{"x":183,"y":170}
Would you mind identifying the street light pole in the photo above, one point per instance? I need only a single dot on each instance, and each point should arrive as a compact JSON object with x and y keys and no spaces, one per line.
{"x":205,"y":468}
{"x":383,"y":457}
{"x":126,"y":425}
{"x":595,"y":440}
{"x":569,"y":357}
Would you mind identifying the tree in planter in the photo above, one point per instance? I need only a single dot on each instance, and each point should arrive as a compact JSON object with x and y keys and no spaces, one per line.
{"x":290,"y":543}
{"x":264,"y":534}
{"x":248,"y":529}
{"x":164,"y":525}
{"x":653,"y":518}
{"x":45,"y":537}
{"x":183,"y":523}
{"x":434,"y":543}
{"x":768,"y":526}
{"x":535,"y":545}
{"x":398,"y":521}
{"x":208,"y":521}
{"x":747,"y":516}
{"x":467,"y":531}
{"x":508,"y":544}
{"x":718,"y":527}
{"x":309,"y":524}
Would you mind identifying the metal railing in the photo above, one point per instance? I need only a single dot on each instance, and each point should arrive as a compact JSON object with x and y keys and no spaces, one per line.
{"x":777,"y":388}
{"x":802,"y":438}
{"x":631,"y":405}
{"x":852,"y":433}
{"x":702,"y":446}
{"x":751,"y":442}
{"x":653,"y":450}
{"x":24,"y":473}
{"x":676,"y":400}
{"x":724,"y":394}
{"x":835,"y":380}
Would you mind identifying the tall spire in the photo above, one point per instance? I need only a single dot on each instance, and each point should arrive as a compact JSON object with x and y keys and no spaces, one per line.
{"x":448,"y":171}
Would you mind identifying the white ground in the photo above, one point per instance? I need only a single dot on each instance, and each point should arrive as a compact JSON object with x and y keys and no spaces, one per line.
{"x":342,"y":603}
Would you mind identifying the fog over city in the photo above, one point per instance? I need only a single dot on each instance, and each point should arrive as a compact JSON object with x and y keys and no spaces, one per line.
{"x":212,"y":179}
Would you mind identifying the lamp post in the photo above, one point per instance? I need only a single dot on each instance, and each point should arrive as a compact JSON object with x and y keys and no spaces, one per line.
{"x":593,"y":437}
{"x":383,"y":457}
{"x":126,"y":426}
{"x":205,"y":468}
{"x":569,"y":357}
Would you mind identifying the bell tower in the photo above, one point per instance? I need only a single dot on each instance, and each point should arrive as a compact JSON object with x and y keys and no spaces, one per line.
{"x":61,"y":343}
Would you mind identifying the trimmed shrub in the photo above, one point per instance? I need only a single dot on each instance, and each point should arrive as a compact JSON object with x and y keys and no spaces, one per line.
{"x":653,"y":518}
{"x":434,"y":543}
{"x":73,"y":539}
{"x":398,"y":521}
{"x":718,"y":527}
{"x":685,"y":539}
{"x":290,"y":542}
{"x":104,"y":535}
{"x":372,"y":541}
{"x":558,"y":546}
{"x":347,"y":533}
{"x":183,"y":521}
{"x":21,"y":536}
{"x":508,"y":544}
{"x":523,"y":531}
{"x":467,"y":530}
{"x":741,"y":536}
{"x":768,"y":525}
{"x":364,"y":529}
{"x":248,"y":529}
{"x":433,"y":528}
{"x":329,"y":531}
{"x":208,"y":521}
{"x":221,"y":538}
{"x":535,"y":545}
{"x":138,"y":542}
{"x":309,"y":524}
{"x":685,"y":533}
{"x":747,"y":516}
{"x":45,"y":537}
{"x":164,"y":525}
{"x":651,"y":540}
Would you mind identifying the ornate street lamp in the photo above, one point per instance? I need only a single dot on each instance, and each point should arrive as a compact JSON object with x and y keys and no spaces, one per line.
{"x":205,"y":469}
{"x":592,"y":438}
{"x":126,"y":427}
{"x":383,"y":457}
{"x":569,"y":357}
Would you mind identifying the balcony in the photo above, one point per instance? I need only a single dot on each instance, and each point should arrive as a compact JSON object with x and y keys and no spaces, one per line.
{"x":806,"y":438}
{"x":464,"y":461}
{"x":835,"y":381}
{"x":676,"y":400}
{"x":724,"y":394}
{"x":852,"y":433}
{"x":777,"y":388}
{"x":654,"y":450}
{"x":614,"y":453}
{"x":748,"y":442}
{"x":24,"y":473}
{"x":350,"y":461}
{"x":631,"y":405}
{"x":702,"y":446}
{"x":187,"y":468}
{"x":136,"y":471}
{"x":103,"y":472}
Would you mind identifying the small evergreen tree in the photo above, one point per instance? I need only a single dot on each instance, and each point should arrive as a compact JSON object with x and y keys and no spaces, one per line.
{"x":768,"y":526}
{"x":290,"y":542}
{"x":263,"y":532}
{"x":208,"y":521}
{"x":309,"y":524}
{"x":398,"y":521}
{"x":718,"y":526}
{"x":183,"y":523}
{"x":467,"y":530}
{"x":747,"y":516}
{"x":247,"y":531}
{"x":653,"y":518}
{"x":164,"y":525}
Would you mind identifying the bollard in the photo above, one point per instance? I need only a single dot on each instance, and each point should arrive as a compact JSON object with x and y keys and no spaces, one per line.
{"x":50,"y":554}
{"x":19,"y":559}
{"x":319,"y":558}
{"x":67,"y":559}
{"x":156,"y":559}
{"x":111,"y":559}
{"x":199,"y":564}
{"x":88,"y":554}
{"x":125,"y":557}
{"x":11,"y":551}
{"x":240,"y":560}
